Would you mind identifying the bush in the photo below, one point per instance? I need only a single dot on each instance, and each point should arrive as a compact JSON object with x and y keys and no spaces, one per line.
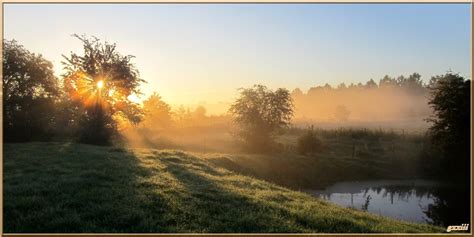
{"x":260,"y":114}
{"x":309,"y":143}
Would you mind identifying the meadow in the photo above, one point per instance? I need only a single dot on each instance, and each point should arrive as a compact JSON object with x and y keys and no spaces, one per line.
{"x":69,"y":187}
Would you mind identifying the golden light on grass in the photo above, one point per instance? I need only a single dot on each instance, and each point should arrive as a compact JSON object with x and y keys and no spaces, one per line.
{"x":100,"y":84}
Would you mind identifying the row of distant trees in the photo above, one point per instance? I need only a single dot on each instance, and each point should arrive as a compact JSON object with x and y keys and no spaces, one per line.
{"x":400,"y":98}
{"x":160,"y":116}
{"x":411,"y":85}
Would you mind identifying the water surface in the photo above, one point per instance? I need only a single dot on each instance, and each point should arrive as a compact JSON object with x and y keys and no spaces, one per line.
{"x":420,"y":201}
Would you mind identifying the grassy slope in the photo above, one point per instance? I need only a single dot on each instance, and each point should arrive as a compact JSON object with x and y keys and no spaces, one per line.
{"x":53,"y":187}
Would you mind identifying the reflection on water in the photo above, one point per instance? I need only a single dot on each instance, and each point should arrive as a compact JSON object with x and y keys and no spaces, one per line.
{"x":412,"y":200}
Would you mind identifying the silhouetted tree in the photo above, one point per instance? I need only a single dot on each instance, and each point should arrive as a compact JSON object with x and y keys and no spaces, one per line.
{"x":371,"y":84}
{"x":296,"y":93}
{"x":157,"y":112}
{"x":413,"y":84}
{"x":260,"y":113}
{"x":451,"y":124}
{"x":386,"y":82}
{"x":100,"y":81}
{"x":327,"y":87}
{"x":342,"y":86}
{"x":30,"y":90}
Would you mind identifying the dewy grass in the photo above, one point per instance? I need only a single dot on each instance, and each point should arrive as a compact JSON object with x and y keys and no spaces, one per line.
{"x":57,"y":187}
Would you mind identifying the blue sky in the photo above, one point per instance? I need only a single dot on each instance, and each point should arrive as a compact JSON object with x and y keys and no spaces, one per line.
{"x":201,"y":53}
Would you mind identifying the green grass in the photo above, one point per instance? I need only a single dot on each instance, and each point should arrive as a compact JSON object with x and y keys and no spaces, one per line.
{"x":57,"y":187}
{"x":346,"y":155}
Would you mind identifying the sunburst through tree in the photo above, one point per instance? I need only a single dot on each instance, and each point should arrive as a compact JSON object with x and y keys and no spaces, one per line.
{"x":100,"y":83}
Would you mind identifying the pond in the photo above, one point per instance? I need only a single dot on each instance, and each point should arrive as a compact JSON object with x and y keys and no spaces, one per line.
{"x":419,"y":201}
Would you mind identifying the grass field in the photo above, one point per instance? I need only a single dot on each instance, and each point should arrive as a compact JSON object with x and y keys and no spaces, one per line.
{"x":67,"y":187}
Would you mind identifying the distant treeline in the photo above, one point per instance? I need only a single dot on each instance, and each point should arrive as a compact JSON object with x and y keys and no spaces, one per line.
{"x":392,"y":99}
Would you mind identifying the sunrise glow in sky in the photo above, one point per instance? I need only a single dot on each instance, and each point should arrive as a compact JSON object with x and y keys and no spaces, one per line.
{"x":201,"y":53}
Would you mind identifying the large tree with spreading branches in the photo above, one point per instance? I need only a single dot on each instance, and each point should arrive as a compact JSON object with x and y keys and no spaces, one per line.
{"x":30,"y":91}
{"x":99,"y":82}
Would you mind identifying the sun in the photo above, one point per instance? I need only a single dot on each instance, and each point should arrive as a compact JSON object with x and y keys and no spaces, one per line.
{"x":100,"y":84}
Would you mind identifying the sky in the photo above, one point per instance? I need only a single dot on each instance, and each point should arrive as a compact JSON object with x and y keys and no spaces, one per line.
{"x":202,"y":53}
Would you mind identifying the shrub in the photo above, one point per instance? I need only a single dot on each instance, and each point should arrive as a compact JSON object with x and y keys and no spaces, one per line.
{"x":260,"y":114}
{"x":309,"y":143}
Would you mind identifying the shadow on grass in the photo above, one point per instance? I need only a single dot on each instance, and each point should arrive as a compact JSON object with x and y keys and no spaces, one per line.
{"x":78,"y":188}
{"x":213,"y":206}
{"x":58,"y":188}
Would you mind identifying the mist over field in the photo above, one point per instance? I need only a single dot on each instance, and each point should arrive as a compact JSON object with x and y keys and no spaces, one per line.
{"x":385,"y":106}
{"x":393,"y":104}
